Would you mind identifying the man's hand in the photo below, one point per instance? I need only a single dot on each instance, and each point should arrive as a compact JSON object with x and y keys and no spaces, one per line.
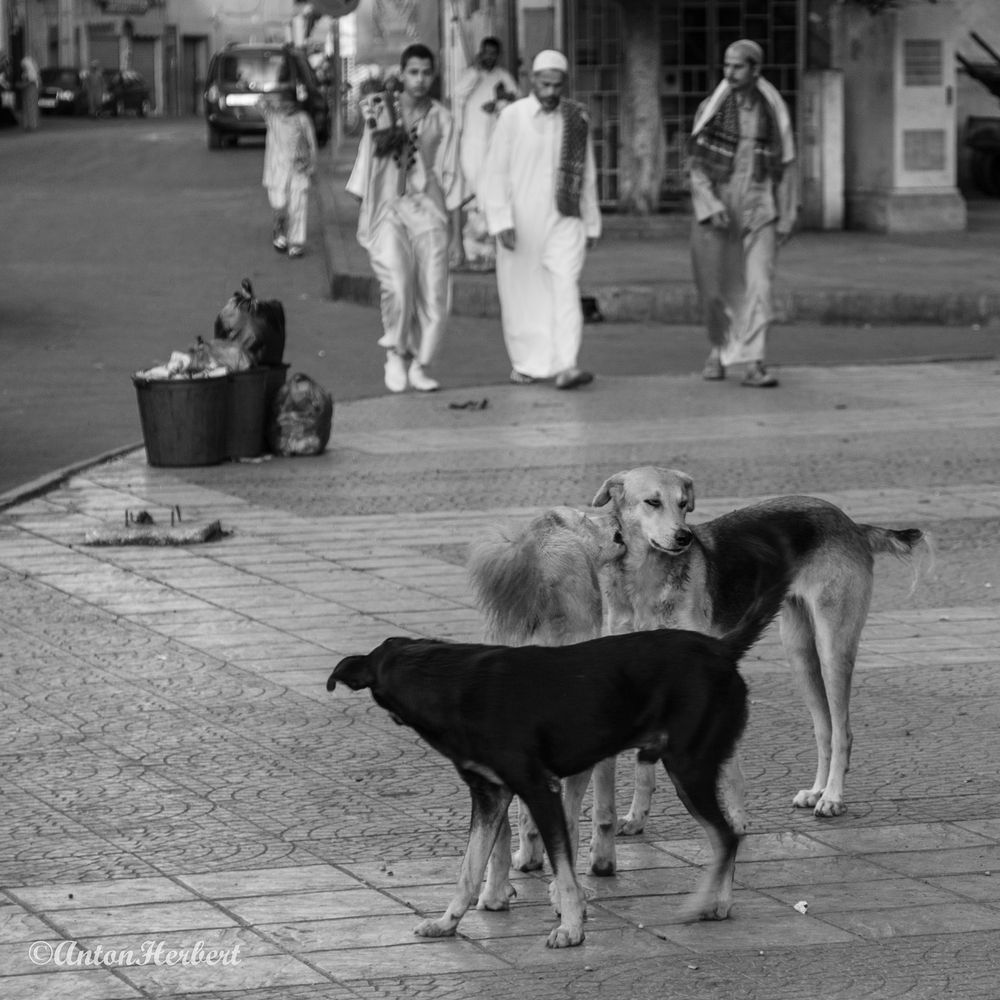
{"x":720,"y":219}
{"x":506,"y":237}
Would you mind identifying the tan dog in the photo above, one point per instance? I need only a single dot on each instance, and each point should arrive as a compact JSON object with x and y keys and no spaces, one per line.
{"x":706,"y":577}
{"x":541,"y":586}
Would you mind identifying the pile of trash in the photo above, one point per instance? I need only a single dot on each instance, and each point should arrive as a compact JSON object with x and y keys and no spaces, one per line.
{"x":212,"y":359}
{"x":263,"y":411}
{"x":248,"y":332}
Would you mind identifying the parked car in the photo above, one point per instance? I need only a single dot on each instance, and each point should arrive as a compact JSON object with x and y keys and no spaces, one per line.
{"x":125,"y":90}
{"x":241,"y":76}
{"x":63,"y":90}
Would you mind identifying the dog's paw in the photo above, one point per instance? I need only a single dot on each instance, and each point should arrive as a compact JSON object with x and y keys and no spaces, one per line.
{"x":435,"y":928}
{"x":703,"y":909}
{"x":602,"y":851}
{"x":807,"y":798}
{"x":602,"y":867}
{"x":632,"y":825}
{"x":826,"y":808}
{"x":527,"y":860}
{"x":497,"y":901}
{"x":565,"y":937}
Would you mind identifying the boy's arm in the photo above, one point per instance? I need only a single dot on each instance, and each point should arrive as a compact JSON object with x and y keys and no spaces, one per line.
{"x":357,"y":183}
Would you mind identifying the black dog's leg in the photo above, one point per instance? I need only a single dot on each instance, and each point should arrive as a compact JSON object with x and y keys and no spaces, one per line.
{"x":489,"y":809}
{"x":545,"y":803}
{"x":696,"y":786}
{"x":498,"y":892}
{"x":605,"y":819}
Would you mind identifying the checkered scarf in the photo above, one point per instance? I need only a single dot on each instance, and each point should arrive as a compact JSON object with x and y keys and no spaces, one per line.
{"x":572,"y":158}
{"x":716,"y":135}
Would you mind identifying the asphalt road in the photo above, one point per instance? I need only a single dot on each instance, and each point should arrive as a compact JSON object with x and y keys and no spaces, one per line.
{"x":121,"y":240}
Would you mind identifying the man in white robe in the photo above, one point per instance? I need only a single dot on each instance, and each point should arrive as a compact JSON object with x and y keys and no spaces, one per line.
{"x":483,"y":91}
{"x":540,"y":194}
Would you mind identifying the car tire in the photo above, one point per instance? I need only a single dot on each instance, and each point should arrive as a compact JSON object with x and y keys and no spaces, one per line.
{"x":214,"y":138}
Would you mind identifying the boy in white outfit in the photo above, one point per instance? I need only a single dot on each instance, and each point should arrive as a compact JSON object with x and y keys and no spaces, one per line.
{"x":409,"y":180}
{"x":289,"y":163}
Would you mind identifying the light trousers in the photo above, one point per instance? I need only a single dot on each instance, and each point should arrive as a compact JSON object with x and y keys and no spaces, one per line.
{"x":734,"y":276}
{"x":411,"y":264}
{"x":290,"y":202}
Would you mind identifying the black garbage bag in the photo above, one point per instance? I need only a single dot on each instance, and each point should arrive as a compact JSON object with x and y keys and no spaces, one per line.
{"x":302,"y":417}
{"x":257,"y":325}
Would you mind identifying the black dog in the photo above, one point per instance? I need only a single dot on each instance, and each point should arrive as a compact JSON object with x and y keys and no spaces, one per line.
{"x":514,"y":720}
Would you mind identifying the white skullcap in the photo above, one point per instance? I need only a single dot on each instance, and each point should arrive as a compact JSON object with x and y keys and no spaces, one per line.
{"x":550,"y":59}
{"x":747,"y":49}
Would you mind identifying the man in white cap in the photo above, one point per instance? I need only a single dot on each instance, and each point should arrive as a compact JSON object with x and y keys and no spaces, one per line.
{"x":540,"y":194}
{"x":744,"y":193}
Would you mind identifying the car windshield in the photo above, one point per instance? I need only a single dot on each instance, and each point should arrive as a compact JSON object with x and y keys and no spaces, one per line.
{"x":64,"y":78}
{"x":252,"y":70}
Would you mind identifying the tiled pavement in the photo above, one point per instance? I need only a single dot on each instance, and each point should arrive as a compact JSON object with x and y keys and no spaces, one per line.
{"x":174,"y":771}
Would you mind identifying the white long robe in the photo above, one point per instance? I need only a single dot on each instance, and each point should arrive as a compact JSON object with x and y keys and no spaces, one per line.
{"x":476,"y":88}
{"x":539,"y":280}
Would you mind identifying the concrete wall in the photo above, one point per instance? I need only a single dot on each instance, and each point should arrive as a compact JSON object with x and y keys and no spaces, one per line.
{"x":868,"y":100}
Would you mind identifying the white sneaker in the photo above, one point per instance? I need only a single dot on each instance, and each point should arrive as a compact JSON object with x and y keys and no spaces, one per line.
{"x":395,"y":372}
{"x":420,"y":380}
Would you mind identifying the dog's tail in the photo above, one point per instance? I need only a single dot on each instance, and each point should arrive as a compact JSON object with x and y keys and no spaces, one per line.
{"x":538,"y":585}
{"x":903,"y":543}
{"x":354,"y":671}
{"x":899,"y":542}
{"x":761,"y":612}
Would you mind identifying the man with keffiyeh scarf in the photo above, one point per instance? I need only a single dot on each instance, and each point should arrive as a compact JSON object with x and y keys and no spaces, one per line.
{"x":540,"y":199}
{"x":744,"y":192}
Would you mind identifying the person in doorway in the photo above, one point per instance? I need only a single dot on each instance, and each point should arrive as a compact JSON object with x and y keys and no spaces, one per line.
{"x":408,"y":177}
{"x":28,"y":85}
{"x":540,"y":193}
{"x":483,"y":91}
{"x":289,"y":163}
{"x":95,"y":89}
{"x":744,"y":193}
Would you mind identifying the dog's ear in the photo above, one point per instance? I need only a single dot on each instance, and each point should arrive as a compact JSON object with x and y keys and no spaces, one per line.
{"x":354,"y":671}
{"x":687,"y":486}
{"x":612,"y":488}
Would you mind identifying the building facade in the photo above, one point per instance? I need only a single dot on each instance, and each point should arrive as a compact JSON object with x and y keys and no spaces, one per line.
{"x":879,"y":101}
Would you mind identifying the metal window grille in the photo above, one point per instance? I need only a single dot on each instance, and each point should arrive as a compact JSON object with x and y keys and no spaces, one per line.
{"x":693,"y":39}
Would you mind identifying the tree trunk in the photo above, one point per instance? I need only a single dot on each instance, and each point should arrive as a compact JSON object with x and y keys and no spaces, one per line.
{"x":642,"y":156}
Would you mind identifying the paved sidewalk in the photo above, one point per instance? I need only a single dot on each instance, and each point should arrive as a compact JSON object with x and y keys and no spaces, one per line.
{"x":641,"y":269}
{"x":174,"y":771}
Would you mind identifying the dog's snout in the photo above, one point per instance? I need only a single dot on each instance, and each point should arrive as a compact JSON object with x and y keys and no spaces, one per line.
{"x":682,"y":537}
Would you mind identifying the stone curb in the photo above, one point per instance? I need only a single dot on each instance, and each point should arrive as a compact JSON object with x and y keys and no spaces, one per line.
{"x":44,"y":484}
